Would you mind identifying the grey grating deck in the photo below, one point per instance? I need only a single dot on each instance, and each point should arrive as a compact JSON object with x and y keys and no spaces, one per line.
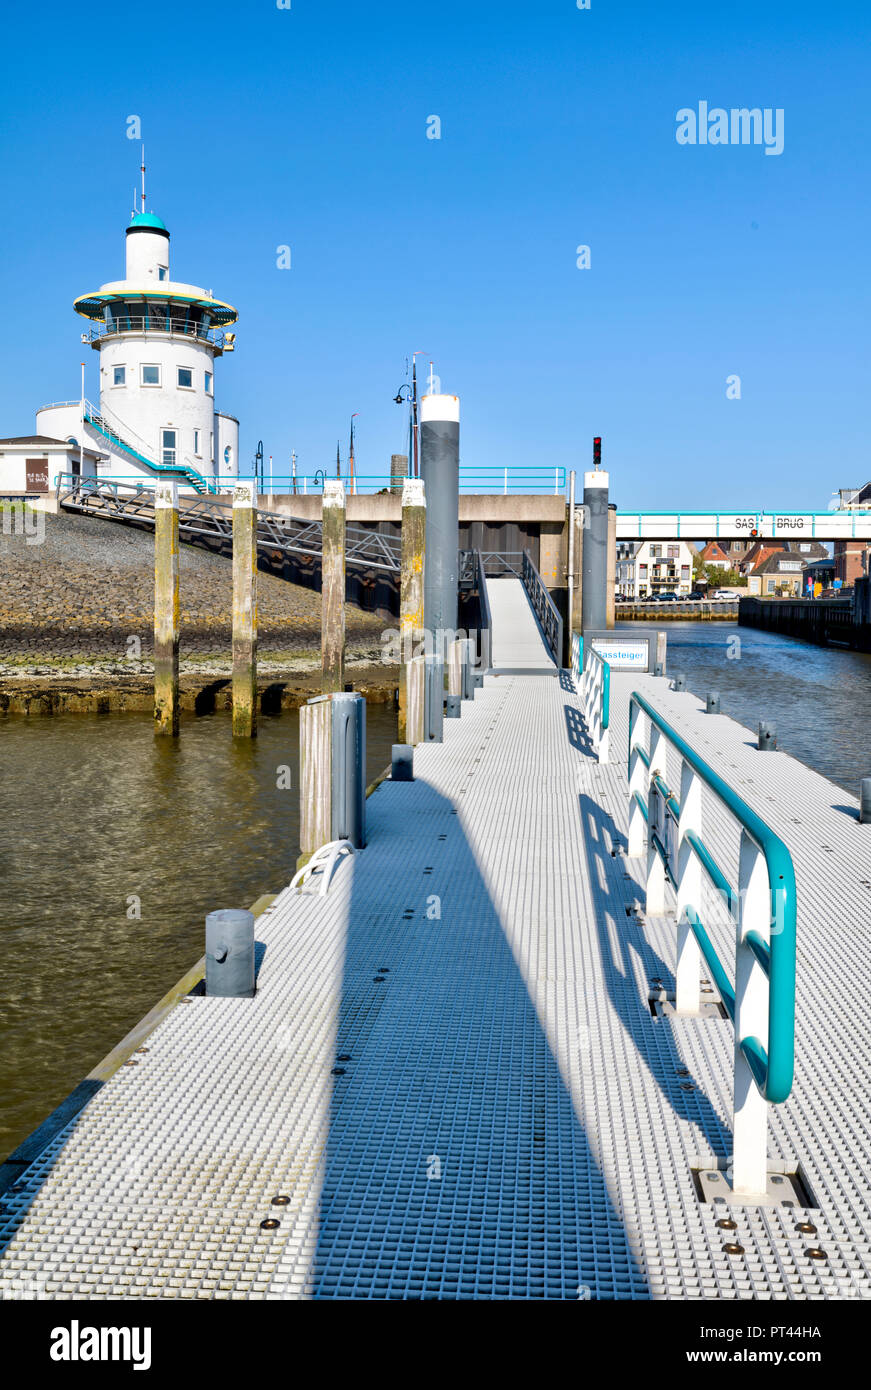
{"x":510,"y":1121}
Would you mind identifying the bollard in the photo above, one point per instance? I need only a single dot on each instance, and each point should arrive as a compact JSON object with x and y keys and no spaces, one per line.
{"x":453,"y":706}
{"x":712,"y":705}
{"x":166,"y":609}
{"x":767,"y":740}
{"x":402,"y":762}
{"x":657,"y":670}
{"x":244,"y":611}
{"x":469,"y":669}
{"x":332,"y":772}
{"x":415,"y":707}
{"x":230,"y":954}
{"x":434,"y":704}
{"x":680,"y":681}
{"x":478,"y":680}
{"x":865,"y":800}
{"x":456,"y":656}
{"x":661,"y":649}
{"x":349,"y":769}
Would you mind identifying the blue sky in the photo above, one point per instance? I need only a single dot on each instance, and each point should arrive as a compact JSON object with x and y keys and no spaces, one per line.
{"x":307,"y":127}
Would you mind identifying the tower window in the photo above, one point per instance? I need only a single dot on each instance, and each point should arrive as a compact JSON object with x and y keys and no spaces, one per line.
{"x":197,"y":443}
{"x":185,"y":377}
{"x":228,"y":455}
{"x":208,"y":383}
{"x":163,"y":272}
{"x":150,"y":375}
{"x":168,"y":446}
{"x":119,"y":376}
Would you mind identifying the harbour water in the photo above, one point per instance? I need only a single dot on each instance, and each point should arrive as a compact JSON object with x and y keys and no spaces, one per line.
{"x":819,"y":697}
{"x":113,"y":847}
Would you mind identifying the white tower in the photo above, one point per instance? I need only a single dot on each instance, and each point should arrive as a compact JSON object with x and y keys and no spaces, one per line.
{"x":158,"y":340}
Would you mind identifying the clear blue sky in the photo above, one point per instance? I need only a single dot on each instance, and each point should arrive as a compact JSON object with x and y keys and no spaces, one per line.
{"x":308,"y":127}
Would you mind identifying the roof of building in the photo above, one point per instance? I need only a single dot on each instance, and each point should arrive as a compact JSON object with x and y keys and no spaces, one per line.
{"x":145,"y":221}
{"x":713,"y":548}
{"x":828,"y":563}
{"x":38,"y":439}
{"x":781,"y":562}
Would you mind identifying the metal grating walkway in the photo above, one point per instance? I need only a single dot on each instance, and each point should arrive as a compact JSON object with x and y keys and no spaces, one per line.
{"x":517,"y":642}
{"x":451,"y":1070}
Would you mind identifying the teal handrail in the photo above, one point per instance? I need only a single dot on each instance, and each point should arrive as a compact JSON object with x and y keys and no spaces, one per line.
{"x":606,"y":685}
{"x":772,"y":1066}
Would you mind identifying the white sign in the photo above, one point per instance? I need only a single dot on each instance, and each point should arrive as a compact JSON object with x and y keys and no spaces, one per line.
{"x":625,"y":654}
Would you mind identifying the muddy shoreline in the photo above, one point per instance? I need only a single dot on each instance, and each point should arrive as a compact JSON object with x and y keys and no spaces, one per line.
{"x":201,"y":692}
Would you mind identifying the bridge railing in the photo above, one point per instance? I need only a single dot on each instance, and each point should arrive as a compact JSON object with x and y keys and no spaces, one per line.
{"x":761,"y":1002}
{"x":545,"y":609}
{"x":593,"y":675}
{"x":472,"y":480}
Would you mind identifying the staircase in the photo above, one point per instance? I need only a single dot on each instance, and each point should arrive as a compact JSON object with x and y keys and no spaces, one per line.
{"x":96,"y":421}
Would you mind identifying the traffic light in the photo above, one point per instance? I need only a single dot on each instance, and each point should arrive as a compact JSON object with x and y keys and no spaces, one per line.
{"x":597,"y":452}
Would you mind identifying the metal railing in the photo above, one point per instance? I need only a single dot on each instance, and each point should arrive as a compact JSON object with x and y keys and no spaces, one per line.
{"x":156,"y":322}
{"x":761,"y":1003}
{"x":212,"y":517}
{"x":544,"y":608}
{"x":471,"y":480}
{"x":594,"y":675}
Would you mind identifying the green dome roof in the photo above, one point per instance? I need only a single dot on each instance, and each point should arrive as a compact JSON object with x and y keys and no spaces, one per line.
{"x":146,"y":219}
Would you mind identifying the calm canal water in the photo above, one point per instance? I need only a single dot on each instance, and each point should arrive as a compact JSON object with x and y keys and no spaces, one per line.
{"x":819,"y":697}
{"x":95,"y":809}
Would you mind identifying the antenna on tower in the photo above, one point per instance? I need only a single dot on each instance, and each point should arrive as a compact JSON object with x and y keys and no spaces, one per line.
{"x":142,"y":208}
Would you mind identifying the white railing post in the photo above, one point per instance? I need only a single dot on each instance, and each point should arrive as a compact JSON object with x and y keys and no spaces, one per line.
{"x":637,"y":782}
{"x":656,"y":814}
{"x":750,"y":1127}
{"x":505,"y":484}
{"x":689,"y":894}
{"x":604,"y":745}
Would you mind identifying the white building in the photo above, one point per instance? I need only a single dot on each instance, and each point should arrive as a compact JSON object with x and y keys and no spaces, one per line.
{"x":647,"y":568}
{"x":158,"y":340}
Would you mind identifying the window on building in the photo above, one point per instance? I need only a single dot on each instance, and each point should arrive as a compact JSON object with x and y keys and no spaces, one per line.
{"x":642,"y":570}
{"x":211,"y":448}
{"x":167,"y":449}
{"x":655,"y":552}
{"x":684,"y":571}
{"x":119,"y":376}
{"x":150,"y":375}
{"x":186,"y":377}
{"x":209,"y":383}
{"x":163,"y":272}
{"x":673,"y":552}
{"x":197,"y":443}
{"x":228,"y":454}
{"x":769,"y":585}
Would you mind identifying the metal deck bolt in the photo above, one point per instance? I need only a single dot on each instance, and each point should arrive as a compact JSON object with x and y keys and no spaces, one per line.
{"x":865,"y":800}
{"x":713,"y":702}
{"x":767,"y":738}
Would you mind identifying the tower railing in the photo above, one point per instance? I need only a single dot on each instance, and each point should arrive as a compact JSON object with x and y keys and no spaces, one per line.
{"x":761,"y":1002}
{"x":156,"y":323}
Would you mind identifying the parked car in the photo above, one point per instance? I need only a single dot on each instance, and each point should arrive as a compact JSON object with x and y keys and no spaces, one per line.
{"x":699,"y":593}
{"x":666,"y":597}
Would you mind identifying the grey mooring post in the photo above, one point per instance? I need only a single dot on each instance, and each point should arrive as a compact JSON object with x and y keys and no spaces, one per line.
{"x":865,"y":800}
{"x":440,"y":470}
{"x":679,"y":682}
{"x":712,"y":704}
{"x":661,"y":645}
{"x":402,"y":762}
{"x":594,"y":560}
{"x":767,"y":740}
{"x":453,"y":707}
{"x":332,"y":772}
{"x":230,"y":954}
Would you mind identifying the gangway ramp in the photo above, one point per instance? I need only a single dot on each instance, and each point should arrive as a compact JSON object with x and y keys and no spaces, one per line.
{"x":517,"y":642}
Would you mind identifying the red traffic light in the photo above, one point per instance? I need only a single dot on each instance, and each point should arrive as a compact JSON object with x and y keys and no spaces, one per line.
{"x":597,"y":451}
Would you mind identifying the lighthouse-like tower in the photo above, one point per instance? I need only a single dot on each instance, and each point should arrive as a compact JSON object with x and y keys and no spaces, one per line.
{"x":158,"y":340}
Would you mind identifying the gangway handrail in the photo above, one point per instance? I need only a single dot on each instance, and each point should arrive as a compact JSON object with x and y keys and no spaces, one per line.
{"x":544,"y":607}
{"x":593,"y":674}
{"x":761,"y":1003}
